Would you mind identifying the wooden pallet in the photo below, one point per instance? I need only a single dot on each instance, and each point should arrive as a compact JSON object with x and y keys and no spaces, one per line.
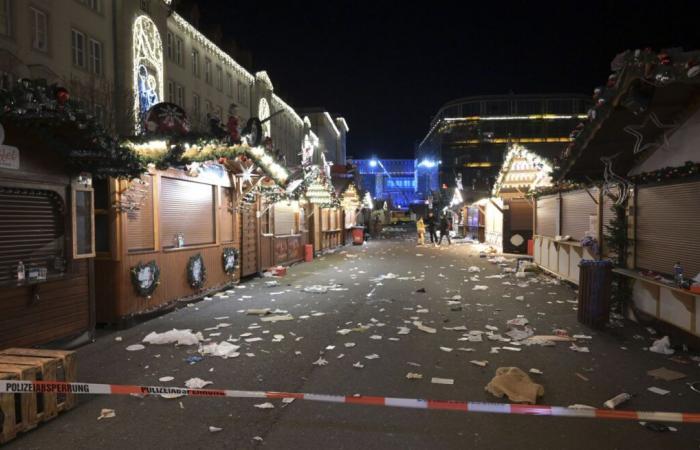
{"x":67,"y":369}
{"x":46,"y":369}
{"x":27,"y":414}
{"x":8,"y":422}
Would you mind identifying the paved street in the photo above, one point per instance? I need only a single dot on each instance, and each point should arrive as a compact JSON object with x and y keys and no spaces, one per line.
{"x":617,"y":362}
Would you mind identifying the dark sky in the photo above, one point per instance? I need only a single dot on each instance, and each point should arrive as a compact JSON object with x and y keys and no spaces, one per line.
{"x":387,"y":67}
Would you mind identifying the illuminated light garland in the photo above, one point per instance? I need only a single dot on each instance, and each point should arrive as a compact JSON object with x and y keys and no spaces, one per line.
{"x":147,"y":54}
{"x":540,"y":165}
{"x":456,"y":198}
{"x":280,"y":104}
{"x":330,"y":120}
{"x":350,"y":199}
{"x":344,"y":122}
{"x":210,"y":46}
{"x":367,"y":201}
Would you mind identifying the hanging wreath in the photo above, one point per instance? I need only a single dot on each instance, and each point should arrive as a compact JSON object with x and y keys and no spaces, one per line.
{"x":196,"y":272}
{"x":231,"y":258}
{"x":145,"y":278}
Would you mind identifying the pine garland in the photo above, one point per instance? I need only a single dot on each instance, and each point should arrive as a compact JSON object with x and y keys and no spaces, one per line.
{"x":618,"y":242}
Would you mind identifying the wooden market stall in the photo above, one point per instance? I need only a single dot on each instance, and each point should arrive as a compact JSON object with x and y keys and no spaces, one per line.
{"x":350,"y":203}
{"x":325,"y":214}
{"x":639,"y":152}
{"x":50,"y":153}
{"x":186,"y":230}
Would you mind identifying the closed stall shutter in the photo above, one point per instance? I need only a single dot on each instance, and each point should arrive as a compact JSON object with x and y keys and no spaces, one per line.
{"x":547,"y":216}
{"x":668,"y":228}
{"x":31,"y":230}
{"x":576,"y":209}
{"x":187,"y":208}
{"x":520,"y":215}
{"x":226,"y":211}
{"x":139,"y":223}
{"x":334,"y":219}
{"x":325,"y":219}
{"x":284,"y":219}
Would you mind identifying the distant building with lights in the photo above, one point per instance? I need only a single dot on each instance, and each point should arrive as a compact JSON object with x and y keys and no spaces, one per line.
{"x":392,"y":180}
{"x":469,"y":137}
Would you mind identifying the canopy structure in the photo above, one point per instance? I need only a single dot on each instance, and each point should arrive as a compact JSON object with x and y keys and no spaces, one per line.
{"x":522,"y":171}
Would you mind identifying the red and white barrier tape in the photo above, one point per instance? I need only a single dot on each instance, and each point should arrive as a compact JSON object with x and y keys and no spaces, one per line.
{"x":57,"y":387}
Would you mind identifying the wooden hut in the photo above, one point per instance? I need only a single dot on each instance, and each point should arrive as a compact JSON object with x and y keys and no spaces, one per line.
{"x":639,"y":151}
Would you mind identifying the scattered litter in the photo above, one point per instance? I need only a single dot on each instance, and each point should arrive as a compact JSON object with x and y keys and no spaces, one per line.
{"x":320,"y":362}
{"x":512,"y":349}
{"x":580,"y":406}
{"x":473,"y":269}
{"x":424,"y":328}
{"x":479,"y":287}
{"x":118,"y":339}
{"x":483,"y":363}
{"x":436,"y":380}
{"x":617,"y":400}
{"x":458,"y":328}
{"x":579,"y":349}
{"x":288,"y":400}
{"x":358,"y":365}
{"x":404,"y":330}
{"x":197,"y":383}
{"x":214,"y":429}
{"x":165,"y":379}
{"x":193,"y":359}
{"x":538,"y":372}
{"x":446,"y":349}
{"x":657,"y":390}
{"x":223,"y":349}
{"x":349,"y":344}
{"x":414,"y":376}
{"x":582,"y":336}
{"x":344,"y":331}
{"x":662,"y":346}
{"x":372,"y":356}
{"x":135,"y":348}
{"x":277,"y":318}
{"x":584,"y":378}
{"x":491,"y":328}
{"x":516,"y":384}
{"x":253,"y":339}
{"x":266,"y":405}
{"x":174,"y":336}
{"x":665,"y":374}
{"x":258,"y":311}
{"x":107,"y":414}
{"x":658,"y":427}
{"x":375,"y":337}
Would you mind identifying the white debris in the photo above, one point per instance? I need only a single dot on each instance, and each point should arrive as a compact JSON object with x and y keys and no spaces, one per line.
{"x":403,"y":330}
{"x":424,"y":328}
{"x":446,"y":349}
{"x":277,"y":318}
{"x":483,"y":363}
{"x":538,"y":372}
{"x":372,"y":356}
{"x":479,"y":287}
{"x":473,"y":269}
{"x":491,"y":327}
{"x":253,"y":339}
{"x":375,"y":337}
{"x":512,"y":349}
{"x":358,"y":365}
{"x":165,"y":379}
{"x":658,"y":391}
{"x":222,"y":350}
{"x":344,"y":331}
{"x":436,"y":380}
{"x":320,"y":362}
{"x":135,"y":348}
{"x":662,"y":346}
{"x":579,"y":349}
{"x":349,"y":344}
{"x":118,"y":339}
{"x":266,"y":405}
{"x":214,"y":429}
{"x":106,"y":413}
{"x":174,"y":336}
{"x":197,"y":383}
{"x":582,"y":336}
{"x":414,"y":376}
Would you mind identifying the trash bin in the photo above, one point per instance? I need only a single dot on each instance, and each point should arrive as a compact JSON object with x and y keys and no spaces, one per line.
{"x":358,"y":235}
{"x":595,"y":284}
{"x":308,"y":252}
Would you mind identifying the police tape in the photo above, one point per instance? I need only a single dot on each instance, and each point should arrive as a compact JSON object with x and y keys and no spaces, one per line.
{"x":58,"y":387}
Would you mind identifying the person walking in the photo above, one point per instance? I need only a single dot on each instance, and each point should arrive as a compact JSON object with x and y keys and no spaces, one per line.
{"x":432,"y":225}
{"x":445,"y":229}
{"x":420,"y":227}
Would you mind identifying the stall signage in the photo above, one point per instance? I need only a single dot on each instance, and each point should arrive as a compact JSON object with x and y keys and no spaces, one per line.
{"x":9,"y":156}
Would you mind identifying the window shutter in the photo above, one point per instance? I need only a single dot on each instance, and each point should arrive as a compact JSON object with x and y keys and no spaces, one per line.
{"x":520,"y":215}
{"x":668,"y":226}
{"x":226,"y":210}
{"x":577,"y":207}
{"x":188,"y":208}
{"x":139,"y":223}
{"x":284,"y":219}
{"x":31,"y":229}
{"x":547,"y":216}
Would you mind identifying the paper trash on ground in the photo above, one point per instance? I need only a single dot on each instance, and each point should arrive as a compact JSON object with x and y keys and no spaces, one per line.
{"x":197,"y":383}
{"x":174,"y":336}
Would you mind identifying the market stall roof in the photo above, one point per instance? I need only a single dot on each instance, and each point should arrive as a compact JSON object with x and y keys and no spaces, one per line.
{"x":646,"y":99}
{"x":522,"y":171}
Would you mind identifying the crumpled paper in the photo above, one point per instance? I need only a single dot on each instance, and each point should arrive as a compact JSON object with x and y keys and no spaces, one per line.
{"x":662,"y":346}
{"x":178,"y":337}
{"x":516,"y":384}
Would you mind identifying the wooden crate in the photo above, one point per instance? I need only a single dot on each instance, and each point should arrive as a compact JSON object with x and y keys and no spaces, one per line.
{"x":8,"y":421}
{"x":27,"y":404}
{"x":46,"y":368}
{"x":67,"y":369}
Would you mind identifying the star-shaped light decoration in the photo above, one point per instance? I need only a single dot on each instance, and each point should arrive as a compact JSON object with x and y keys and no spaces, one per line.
{"x":635,"y":130}
{"x":246,"y":177}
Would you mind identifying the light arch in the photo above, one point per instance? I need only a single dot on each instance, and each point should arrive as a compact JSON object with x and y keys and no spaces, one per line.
{"x":147,"y":67}
{"x":264,"y":113}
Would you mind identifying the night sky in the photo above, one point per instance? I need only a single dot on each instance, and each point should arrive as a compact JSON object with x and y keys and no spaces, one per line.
{"x":388,"y":68}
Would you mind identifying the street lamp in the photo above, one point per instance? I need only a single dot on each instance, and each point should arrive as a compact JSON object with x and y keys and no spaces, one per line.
{"x":373,"y":162}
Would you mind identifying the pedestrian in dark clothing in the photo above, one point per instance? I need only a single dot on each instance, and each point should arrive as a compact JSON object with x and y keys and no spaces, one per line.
{"x":445,"y":230}
{"x":431,"y":225}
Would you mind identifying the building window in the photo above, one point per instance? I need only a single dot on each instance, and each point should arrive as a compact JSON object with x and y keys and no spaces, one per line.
{"x":169,"y":50}
{"x":219,"y":78}
{"x":40,"y":30}
{"x":242,"y":94}
{"x":207,"y":70}
{"x":5,"y":18}
{"x":195,"y":63}
{"x":95,"y":5}
{"x":196,"y":106}
{"x":181,"y":96}
{"x":78,"y":46}
{"x":171,"y":91}
{"x":229,"y":85}
{"x":178,"y":50}
{"x":95,"y":57}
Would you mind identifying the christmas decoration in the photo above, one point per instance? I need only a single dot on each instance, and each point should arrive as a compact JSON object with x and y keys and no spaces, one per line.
{"x":196,"y":271}
{"x":145,"y":278}
{"x":166,"y":118}
{"x":232,"y":124}
{"x":635,"y":130}
{"x":689,"y":169}
{"x":231,"y":259}
{"x":62,"y":95}
{"x":617,"y":243}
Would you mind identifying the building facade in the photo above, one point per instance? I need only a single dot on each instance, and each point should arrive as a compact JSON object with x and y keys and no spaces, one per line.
{"x":331,"y":133}
{"x":469,"y":137}
{"x":392,"y":180}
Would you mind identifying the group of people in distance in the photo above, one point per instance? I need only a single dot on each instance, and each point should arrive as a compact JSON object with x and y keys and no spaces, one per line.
{"x":432,"y":224}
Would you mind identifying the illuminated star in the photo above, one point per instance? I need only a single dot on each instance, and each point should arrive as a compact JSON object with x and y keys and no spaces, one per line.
{"x":635,"y":130}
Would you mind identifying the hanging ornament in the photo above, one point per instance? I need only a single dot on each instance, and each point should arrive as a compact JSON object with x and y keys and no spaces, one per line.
{"x":145,"y":278}
{"x":230,"y":258}
{"x":166,"y":118}
{"x":62,"y":95}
